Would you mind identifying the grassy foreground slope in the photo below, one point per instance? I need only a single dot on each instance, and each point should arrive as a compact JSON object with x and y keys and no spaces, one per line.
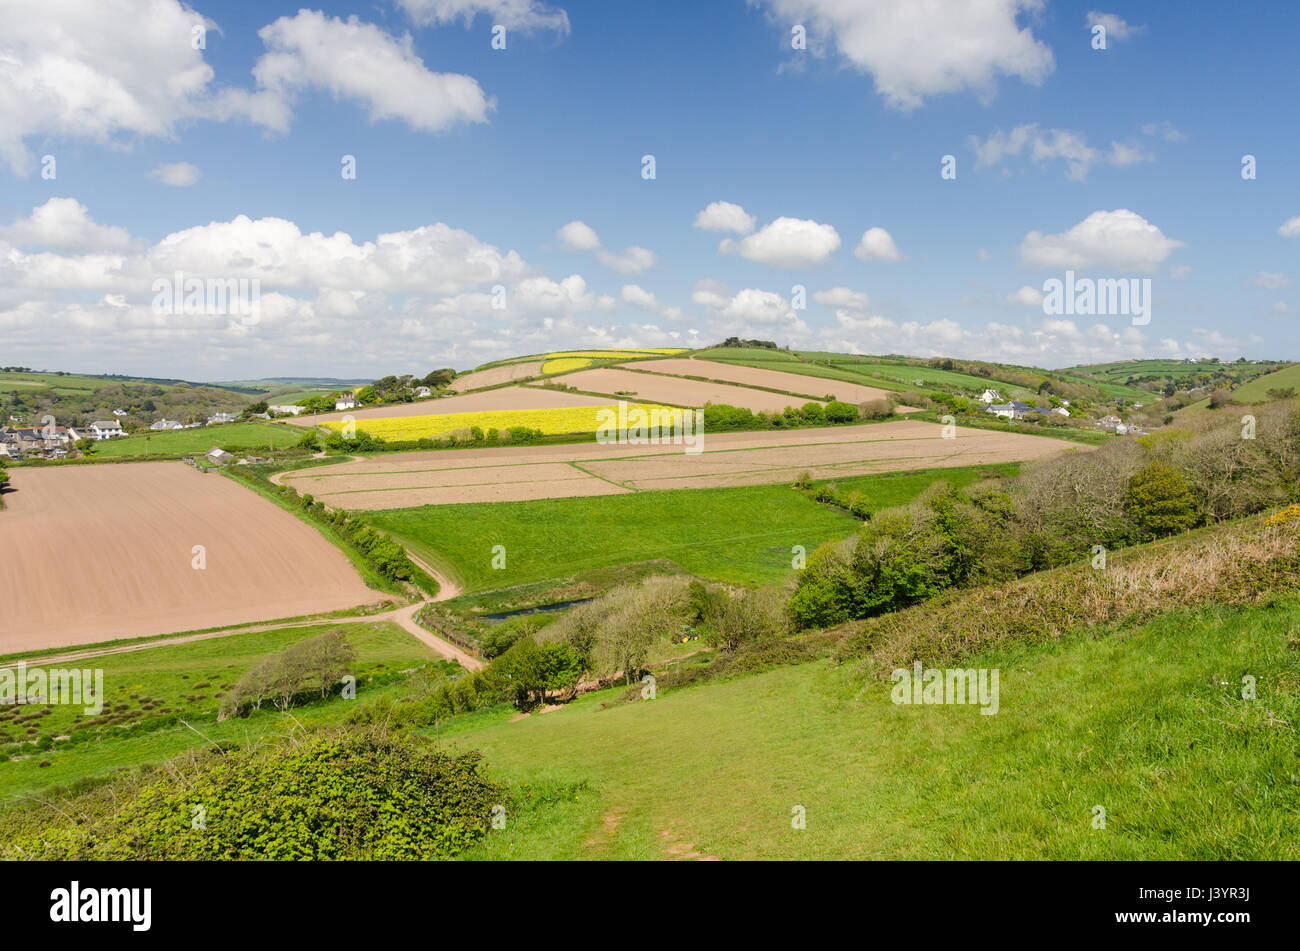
{"x":1256,"y":391}
{"x":1147,"y":723}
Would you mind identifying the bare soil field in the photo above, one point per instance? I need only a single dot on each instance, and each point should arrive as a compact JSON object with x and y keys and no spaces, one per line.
{"x":496,"y":375}
{"x":773,"y":379}
{"x":96,"y":553}
{"x":508,"y":397}
{"x":655,"y":388}
{"x":509,"y":474}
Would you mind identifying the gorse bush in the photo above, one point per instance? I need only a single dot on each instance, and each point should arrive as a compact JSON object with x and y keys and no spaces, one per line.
{"x":361,"y":795}
{"x":1159,"y":501}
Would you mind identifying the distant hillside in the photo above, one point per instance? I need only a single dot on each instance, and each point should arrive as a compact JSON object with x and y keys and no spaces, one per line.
{"x":1257,"y":390}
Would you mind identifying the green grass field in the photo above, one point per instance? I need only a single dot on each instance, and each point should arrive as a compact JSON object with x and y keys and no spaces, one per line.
{"x":1256,"y":391}
{"x":233,"y":437}
{"x":742,"y":535}
{"x":167,"y":679}
{"x":1136,"y":721}
{"x":906,"y":375}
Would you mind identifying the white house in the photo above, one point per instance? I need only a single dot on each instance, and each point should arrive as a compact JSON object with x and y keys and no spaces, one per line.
{"x":106,"y":429}
{"x":119,"y":412}
{"x":286,"y":409}
{"x":423,"y":392}
{"x":346,"y":402}
{"x":161,"y":424}
{"x":1062,"y":411}
{"x":221,"y":418}
{"x":990,"y":396}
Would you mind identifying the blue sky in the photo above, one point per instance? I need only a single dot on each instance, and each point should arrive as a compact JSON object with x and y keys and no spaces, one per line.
{"x":224,"y":162}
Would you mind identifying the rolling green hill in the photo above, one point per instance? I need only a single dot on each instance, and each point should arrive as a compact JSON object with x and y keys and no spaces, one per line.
{"x":1256,"y":391}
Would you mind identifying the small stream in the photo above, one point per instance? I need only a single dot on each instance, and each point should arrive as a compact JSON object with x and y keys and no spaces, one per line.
{"x":544,"y":609}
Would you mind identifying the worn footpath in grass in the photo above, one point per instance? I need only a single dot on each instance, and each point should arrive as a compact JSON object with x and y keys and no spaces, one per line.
{"x":1147,"y":723}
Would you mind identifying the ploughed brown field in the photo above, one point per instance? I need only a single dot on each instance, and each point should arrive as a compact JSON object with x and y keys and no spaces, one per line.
{"x":100,"y":552}
{"x":545,"y":472}
{"x":496,"y":375}
{"x":507,"y":397}
{"x":675,"y":391}
{"x":772,"y":379}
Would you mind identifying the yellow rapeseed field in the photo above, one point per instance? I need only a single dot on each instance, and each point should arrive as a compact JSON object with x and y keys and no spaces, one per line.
{"x":570,"y":419}
{"x":565,"y":364}
{"x":625,"y":354}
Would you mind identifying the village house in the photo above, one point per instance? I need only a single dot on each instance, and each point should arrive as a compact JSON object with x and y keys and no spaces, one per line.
{"x":346,"y":401}
{"x":106,"y":429}
{"x":219,"y":457}
{"x":990,"y":396}
{"x":161,"y":424}
{"x":285,"y":409}
{"x":1110,"y":423}
{"x":1016,"y":409}
{"x":217,"y":418}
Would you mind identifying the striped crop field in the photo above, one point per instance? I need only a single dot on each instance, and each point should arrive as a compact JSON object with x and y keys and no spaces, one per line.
{"x":566,"y":420}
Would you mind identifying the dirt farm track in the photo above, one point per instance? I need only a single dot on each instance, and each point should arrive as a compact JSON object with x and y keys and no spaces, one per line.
{"x":100,"y":552}
{"x":407,"y":479}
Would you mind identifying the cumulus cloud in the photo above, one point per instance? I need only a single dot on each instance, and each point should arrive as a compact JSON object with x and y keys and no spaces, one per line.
{"x":1120,"y":239}
{"x":578,"y":236}
{"x":101,"y":69}
{"x":638,"y":297}
{"x":877,"y":245}
{"x":788,"y":243}
{"x":967,"y":44}
{"x":1116,"y":27}
{"x":1165,"y":130}
{"x":176,"y":174}
{"x":843,"y":297}
{"x":514,"y":14}
{"x":1290,"y":228}
{"x":360,"y":62}
{"x":64,"y":224}
{"x":1064,"y":145}
{"x":1026,"y":297}
{"x":633,"y":260}
{"x":725,"y":216}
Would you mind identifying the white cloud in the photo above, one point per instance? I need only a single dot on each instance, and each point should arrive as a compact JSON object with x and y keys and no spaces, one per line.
{"x":639,"y":297}
{"x":1165,"y":130}
{"x":789,"y":243}
{"x":578,"y":236}
{"x":176,"y":174}
{"x":877,"y":245}
{"x":1055,"y":144}
{"x":1271,"y":280}
{"x":1026,"y":297}
{"x":101,"y":69}
{"x":1116,"y":28}
{"x":360,"y":62}
{"x":843,"y":297}
{"x":63,"y":224}
{"x":1118,"y":239}
{"x":515,"y":14}
{"x":1290,"y":228}
{"x":633,"y":260}
{"x":966,"y":44}
{"x":725,"y":216}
